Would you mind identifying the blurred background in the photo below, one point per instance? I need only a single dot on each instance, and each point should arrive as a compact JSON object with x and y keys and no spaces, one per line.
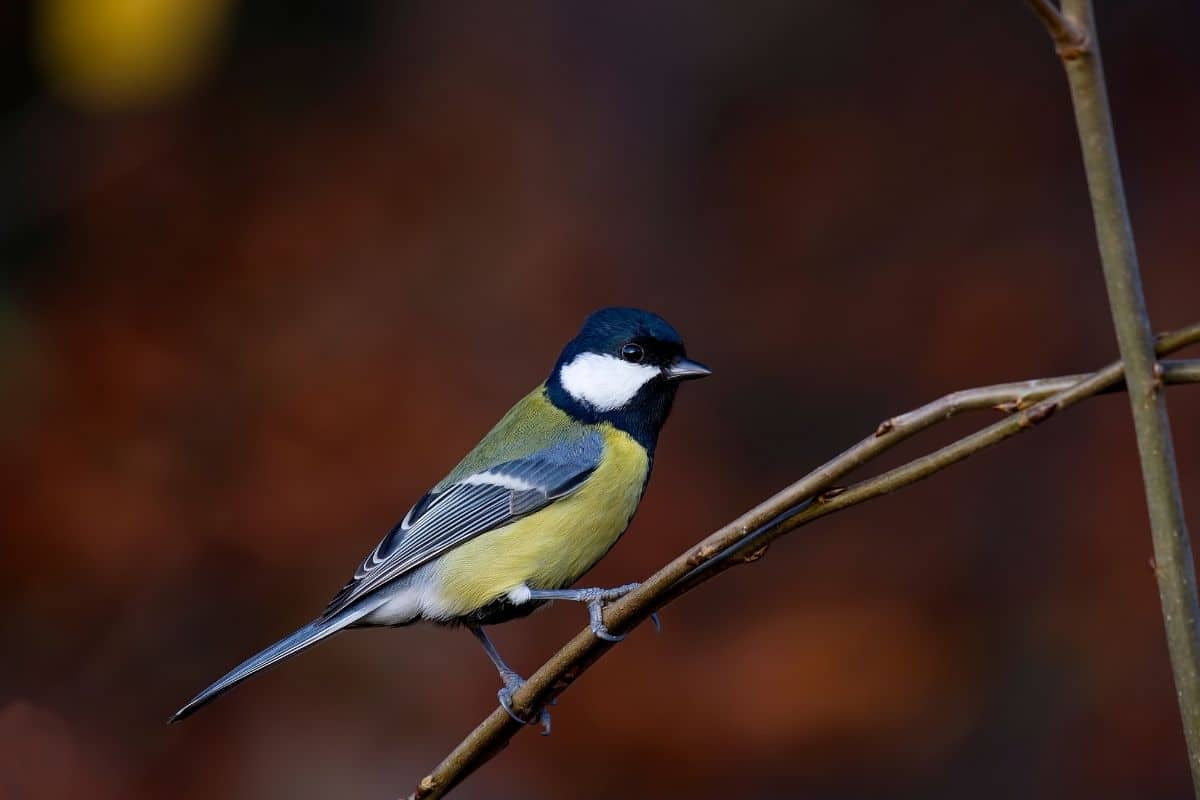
{"x":270,"y":268}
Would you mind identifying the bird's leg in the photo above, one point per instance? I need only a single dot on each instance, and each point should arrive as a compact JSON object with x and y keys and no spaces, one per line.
{"x":512,"y":682}
{"x":595,"y":599}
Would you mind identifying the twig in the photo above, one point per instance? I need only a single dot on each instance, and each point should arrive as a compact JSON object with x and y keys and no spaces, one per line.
{"x":809,"y":498}
{"x":1118,"y":256}
{"x":1038,"y":399}
{"x":1070,"y":39}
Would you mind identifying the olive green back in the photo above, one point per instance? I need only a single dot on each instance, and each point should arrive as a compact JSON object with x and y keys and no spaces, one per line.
{"x":533,"y":424}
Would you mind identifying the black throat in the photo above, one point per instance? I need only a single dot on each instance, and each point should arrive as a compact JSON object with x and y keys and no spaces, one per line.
{"x":642,"y":417}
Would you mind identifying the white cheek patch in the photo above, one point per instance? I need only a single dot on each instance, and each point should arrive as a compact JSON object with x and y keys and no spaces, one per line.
{"x":604,"y":383}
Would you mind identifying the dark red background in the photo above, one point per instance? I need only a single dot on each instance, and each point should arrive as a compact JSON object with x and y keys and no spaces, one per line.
{"x":246,"y":325}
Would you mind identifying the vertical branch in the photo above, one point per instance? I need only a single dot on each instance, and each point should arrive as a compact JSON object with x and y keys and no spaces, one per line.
{"x":1172,"y":549}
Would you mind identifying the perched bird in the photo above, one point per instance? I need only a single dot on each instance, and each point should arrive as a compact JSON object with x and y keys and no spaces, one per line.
{"x":531,"y":509}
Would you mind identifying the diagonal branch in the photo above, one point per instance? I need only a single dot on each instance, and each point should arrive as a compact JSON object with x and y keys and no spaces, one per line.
{"x":743,"y":540}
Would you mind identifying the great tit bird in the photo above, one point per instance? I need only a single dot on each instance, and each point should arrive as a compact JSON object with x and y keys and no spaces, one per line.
{"x":533,"y":507}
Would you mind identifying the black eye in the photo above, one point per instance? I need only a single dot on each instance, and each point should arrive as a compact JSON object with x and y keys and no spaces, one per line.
{"x":633,"y":353}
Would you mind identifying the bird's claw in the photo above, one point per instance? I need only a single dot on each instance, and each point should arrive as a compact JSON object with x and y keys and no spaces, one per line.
{"x":615,"y":593}
{"x":596,"y":619}
{"x":596,"y":598}
{"x":505,"y":697}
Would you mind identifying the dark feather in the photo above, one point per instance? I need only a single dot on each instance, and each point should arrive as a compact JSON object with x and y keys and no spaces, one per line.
{"x":475,"y":504}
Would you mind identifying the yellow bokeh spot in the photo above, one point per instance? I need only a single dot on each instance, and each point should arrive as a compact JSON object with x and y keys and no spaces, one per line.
{"x":107,"y":54}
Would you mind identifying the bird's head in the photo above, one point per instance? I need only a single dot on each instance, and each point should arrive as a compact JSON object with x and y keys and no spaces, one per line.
{"x":623,"y":367}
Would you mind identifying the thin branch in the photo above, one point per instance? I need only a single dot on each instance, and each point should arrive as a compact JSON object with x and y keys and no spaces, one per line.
{"x":1070,"y":39}
{"x":1118,"y":257}
{"x":813,"y":496}
{"x":1036,"y":399}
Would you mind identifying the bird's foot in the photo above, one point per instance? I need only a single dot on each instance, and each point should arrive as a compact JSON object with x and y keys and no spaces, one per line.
{"x":596,"y":598}
{"x":513,"y":682}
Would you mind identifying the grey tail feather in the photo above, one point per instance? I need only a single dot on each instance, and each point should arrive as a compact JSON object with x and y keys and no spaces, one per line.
{"x":287,"y":647}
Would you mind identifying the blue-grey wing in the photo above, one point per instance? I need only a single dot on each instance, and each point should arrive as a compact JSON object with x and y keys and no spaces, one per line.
{"x":473,"y":505}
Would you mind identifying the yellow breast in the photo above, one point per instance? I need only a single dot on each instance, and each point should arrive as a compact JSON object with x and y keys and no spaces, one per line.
{"x":551,"y":548}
